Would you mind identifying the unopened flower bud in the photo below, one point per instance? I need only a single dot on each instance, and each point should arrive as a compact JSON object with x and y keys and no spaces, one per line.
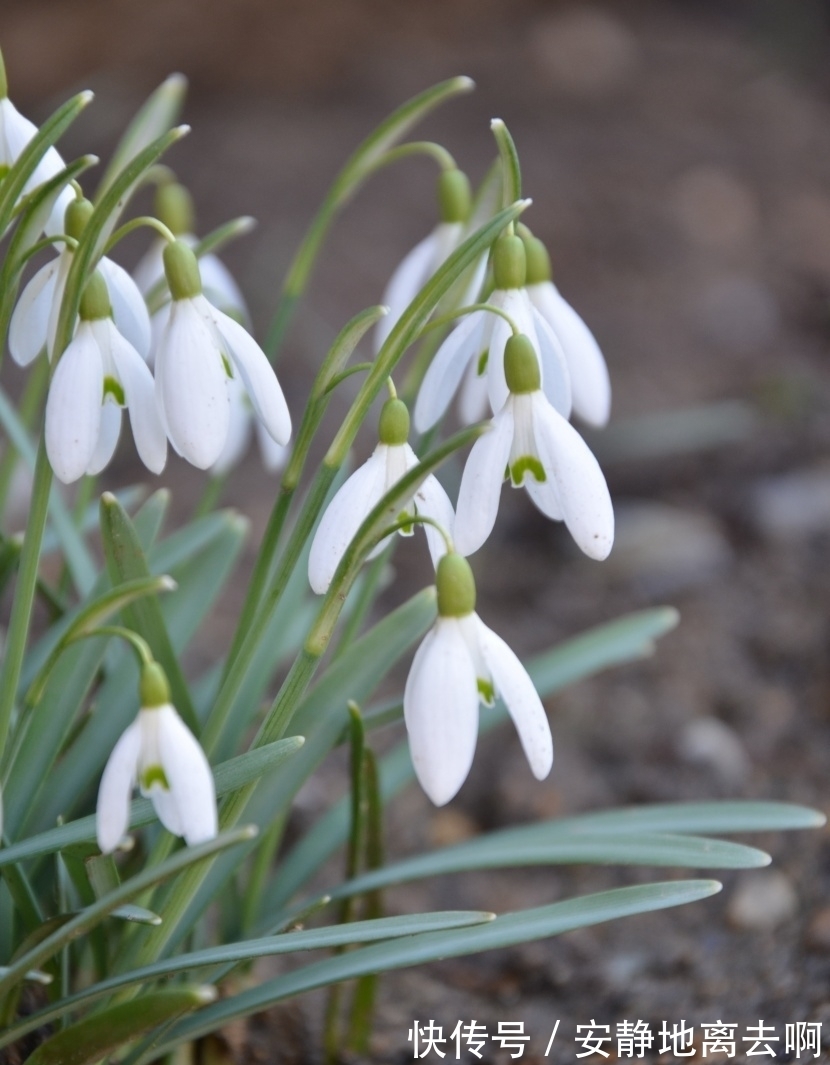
{"x":154,"y":689}
{"x":509,"y":262}
{"x":456,"y":587}
{"x":181,"y":268}
{"x":521,"y":365}
{"x":95,"y":300}
{"x":454,"y":198}
{"x":78,"y":213}
{"x":393,"y":427}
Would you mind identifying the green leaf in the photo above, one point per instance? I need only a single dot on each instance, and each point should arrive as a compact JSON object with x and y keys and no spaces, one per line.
{"x":249,"y":950}
{"x":96,"y":1037}
{"x":228,"y":776}
{"x":510,"y":167}
{"x":157,"y":115}
{"x":731,"y":816}
{"x":506,"y":931}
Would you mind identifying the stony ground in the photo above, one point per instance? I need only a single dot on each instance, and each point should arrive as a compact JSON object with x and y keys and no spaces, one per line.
{"x":679,"y":158}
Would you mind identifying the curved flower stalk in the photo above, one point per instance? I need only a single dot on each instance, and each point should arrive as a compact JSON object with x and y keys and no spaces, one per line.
{"x":461,"y":663}
{"x":391,"y":459}
{"x":200,"y":352}
{"x":541,"y":451}
{"x":590,"y":383}
{"x":35,"y":318}
{"x":476,"y":346}
{"x":418,"y":265}
{"x":100,"y":373}
{"x":160,"y":754}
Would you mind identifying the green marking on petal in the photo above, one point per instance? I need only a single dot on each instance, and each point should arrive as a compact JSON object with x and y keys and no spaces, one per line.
{"x":407,"y":523}
{"x":226,"y":362}
{"x":153,"y":775}
{"x":527,"y":464}
{"x":113,"y":388}
{"x":486,"y":691}
{"x":483,"y":359}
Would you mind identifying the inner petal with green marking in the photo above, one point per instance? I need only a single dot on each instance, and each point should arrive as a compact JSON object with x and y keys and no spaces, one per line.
{"x":154,"y":776}
{"x":486,"y":691}
{"x":526,"y":464}
{"x":113,"y":388}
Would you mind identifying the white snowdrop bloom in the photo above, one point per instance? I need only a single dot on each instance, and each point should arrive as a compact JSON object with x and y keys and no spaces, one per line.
{"x":389,"y":462}
{"x":532,"y":444}
{"x":461,"y":663}
{"x":476,"y":346}
{"x":243,"y":424}
{"x":100,"y":373}
{"x":418,"y":266}
{"x":35,"y":317}
{"x":590,"y":383}
{"x":200,"y":351}
{"x":160,"y":754}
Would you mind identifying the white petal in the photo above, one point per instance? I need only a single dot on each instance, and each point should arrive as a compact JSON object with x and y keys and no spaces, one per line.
{"x":221,"y":289}
{"x":478,"y":496}
{"x":477,"y":280}
{"x":15,"y":132}
{"x":580,"y":484}
{"x":189,"y":776}
{"x":113,"y":810}
{"x":192,"y":386}
{"x":167,"y":809}
{"x":544,"y":493}
{"x":274,"y":456}
{"x":128,"y":307}
{"x":446,"y":370}
{"x":139,"y":394}
{"x":556,"y":378}
{"x":433,"y":502}
{"x":239,"y":430}
{"x":473,"y":402}
{"x":64,"y":265}
{"x":516,"y":304}
{"x":406,"y":281}
{"x":73,"y":408}
{"x":441,"y":710}
{"x":108,"y":433}
{"x":150,"y":269}
{"x":56,"y":222}
{"x":521,"y":699}
{"x":30,"y":319}
{"x":258,"y":376}
{"x":343,"y":517}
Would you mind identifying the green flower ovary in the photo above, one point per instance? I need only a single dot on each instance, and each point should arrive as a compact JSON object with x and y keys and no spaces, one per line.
{"x":527,"y":464}
{"x":154,"y":774}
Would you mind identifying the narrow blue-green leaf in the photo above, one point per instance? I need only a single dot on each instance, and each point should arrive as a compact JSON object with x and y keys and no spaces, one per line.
{"x":726,"y":816}
{"x":505,"y":931}
{"x":228,"y":776}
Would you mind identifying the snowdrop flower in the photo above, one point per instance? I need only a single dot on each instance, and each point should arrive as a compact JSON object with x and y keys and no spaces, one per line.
{"x":460,"y":664}
{"x":477,"y":345}
{"x":389,"y":462}
{"x":200,"y":352}
{"x":539,"y":449}
{"x":418,"y":266}
{"x":99,"y":373}
{"x":35,"y":318}
{"x":243,"y":424}
{"x":590,"y":384}
{"x":160,"y":754}
{"x":15,"y":133}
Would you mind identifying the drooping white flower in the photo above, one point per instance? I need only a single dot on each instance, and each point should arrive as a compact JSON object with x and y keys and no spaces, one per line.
{"x":590,"y":383}
{"x":461,"y":663}
{"x":476,"y":346}
{"x":200,"y":351}
{"x":418,"y":265}
{"x":532,"y":444}
{"x":388,"y":463}
{"x":160,"y":754}
{"x":35,"y":317}
{"x":243,"y":424}
{"x":100,"y":373}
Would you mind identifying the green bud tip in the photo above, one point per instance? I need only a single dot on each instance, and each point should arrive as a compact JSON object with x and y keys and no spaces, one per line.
{"x":154,"y":689}
{"x":538,"y":260}
{"x":174,"y":207}
{"x":521,"y":365}
{"x":454,"y":197}
{"x":78,"y":213}
{"x":509,"y":262}
{"x":456,"y":587}
{"x":4,"y":85}
{"x":182,"y":270}
{"x":95,"y":300}
{"x":393,"y":426}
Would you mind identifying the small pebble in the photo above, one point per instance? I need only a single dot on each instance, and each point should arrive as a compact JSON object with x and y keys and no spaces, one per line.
{"x":763,"y":900}
{"x":710,"y":742}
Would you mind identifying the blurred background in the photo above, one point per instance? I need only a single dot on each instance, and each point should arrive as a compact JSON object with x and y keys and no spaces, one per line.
{"x":678,"y":155}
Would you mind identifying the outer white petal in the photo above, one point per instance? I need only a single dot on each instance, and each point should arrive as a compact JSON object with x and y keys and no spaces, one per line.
{"x":113,"y":810}
{"x":30,"y":319}
{"x":158,"y":323}
{"x":167,"y":809}
{"x":440,"y":705}
{"x":590,"y":382}
{"x":108,"y":433}
{"x":73,"y":408}
{"x":544,"y":494}
{"x":274,"y":456}
{"x":343,"y":517}
{"x":257,"y":374}
{"x":55,"y":224}
{"x":406,"y":281}
{"x":512,"y":683}
{"x":447,"y":368}
{"x":478,"y":496}
{"x":64,"y":264}
{"x":128,"y":307}
{"x":192,"y":386}
{"x":220,"y":287}
{"x":473,"y":401}
{"x":150,"y":268}
{"x":139,"y":393}
{"x":580,"y":483}
{"x":189,"y":776}
{"x":15,"y":132}
{"x":556,"y":377}
{"x":239,"y":430}
{"x":433,"y":502}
